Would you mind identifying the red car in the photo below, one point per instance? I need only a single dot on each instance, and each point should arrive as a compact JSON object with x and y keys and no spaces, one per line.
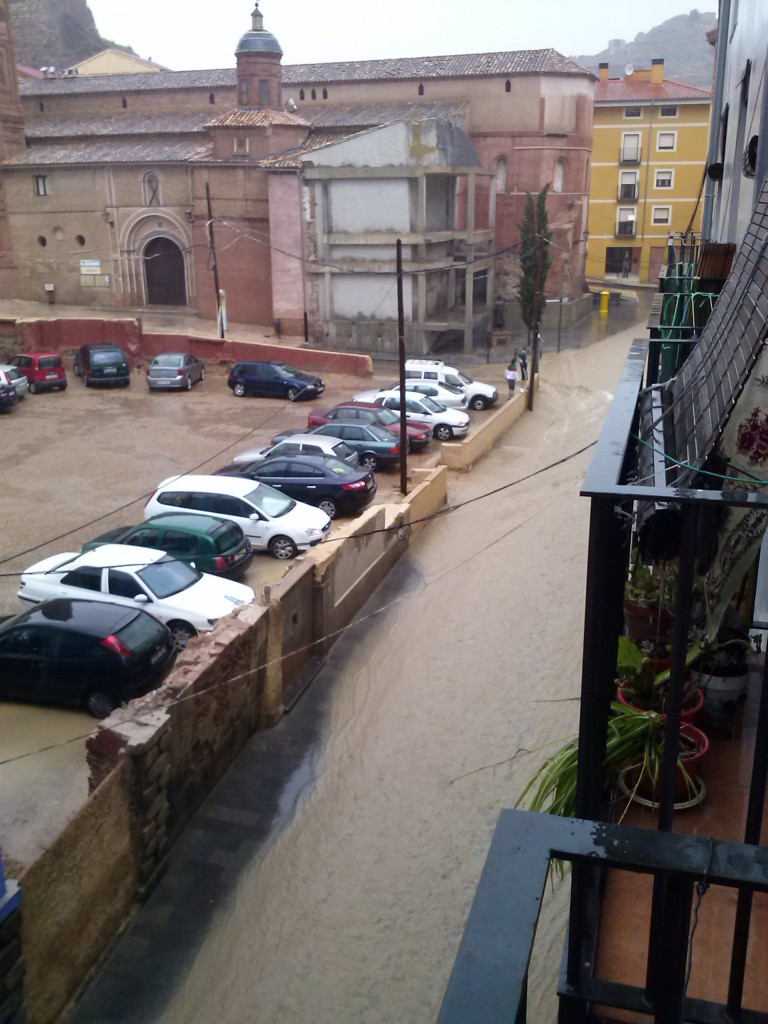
{"x":44,"y":370}
{"x":419,"y":434}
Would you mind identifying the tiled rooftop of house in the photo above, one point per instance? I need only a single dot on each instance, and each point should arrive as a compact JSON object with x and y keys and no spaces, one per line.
{"x":344,"y":115}
{"x":106,"y":152}
{"x":242,"y":118}
{"x":118,"y":124}
{"x":627,"y":90}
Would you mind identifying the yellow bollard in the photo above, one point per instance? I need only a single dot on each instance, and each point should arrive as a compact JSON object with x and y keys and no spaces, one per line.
{"x":605,"y":298}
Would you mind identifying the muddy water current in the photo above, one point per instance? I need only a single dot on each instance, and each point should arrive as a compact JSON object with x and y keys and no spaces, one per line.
{"x":354,"y":910}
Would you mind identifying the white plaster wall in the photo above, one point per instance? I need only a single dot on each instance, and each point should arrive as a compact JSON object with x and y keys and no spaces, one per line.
{"x":379,"y":147}
{"x":747,"y":40}
{"x":369,"y":205}
{"x":369,"y":297}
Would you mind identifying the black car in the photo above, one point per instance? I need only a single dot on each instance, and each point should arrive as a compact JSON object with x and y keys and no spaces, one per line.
{"x":328,"y":483}
{"x":273,"y":380}
{"x":84,"y":654}
{"x":9,"y":397}
{"x":212,"y":545}
{"x":102,"y":364}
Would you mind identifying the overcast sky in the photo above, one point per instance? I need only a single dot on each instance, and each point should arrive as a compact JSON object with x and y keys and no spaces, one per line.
{"x":182,"y":34}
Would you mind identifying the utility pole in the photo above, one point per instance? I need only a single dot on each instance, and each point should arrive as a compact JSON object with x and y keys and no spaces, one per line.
{"x":401,"y":360}
{"x":214,"y":262}
{"x":537,"y":313}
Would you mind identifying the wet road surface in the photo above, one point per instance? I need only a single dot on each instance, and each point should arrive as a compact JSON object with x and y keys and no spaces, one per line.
{"x":328,"y":878}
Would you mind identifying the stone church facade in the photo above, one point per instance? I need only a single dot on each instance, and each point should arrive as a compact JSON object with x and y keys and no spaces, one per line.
{"x":129,"y":191}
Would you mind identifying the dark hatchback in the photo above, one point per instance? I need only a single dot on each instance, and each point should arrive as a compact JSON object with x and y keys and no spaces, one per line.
{"x":83,"y":654}
{"x":102,"y":364}
{"x":331,"y":485}
{"x":273,"y":380}
{"x":212,"y":545}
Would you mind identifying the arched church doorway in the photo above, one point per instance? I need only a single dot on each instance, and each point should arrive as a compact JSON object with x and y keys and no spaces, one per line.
{"x":164,"y":270}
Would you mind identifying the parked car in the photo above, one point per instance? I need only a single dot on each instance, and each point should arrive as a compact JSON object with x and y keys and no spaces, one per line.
{"x":13,"y":376}
{"x":479,"y":395}
{"x":83,"y":654}
{"x":445,"y":423}
{"x":175,"y":371}
{"x":102,"y":364}
{"x":333,"y":486}
{"x":187,"y":600}
{"x":292,"y":442}
{"x":44,"y":370}
{"x":273,"y":380}
{"x":374,"y":446}
{"x":211,"y":545}
{"x":8,"y":397}
{"x":269,"y":519}
{"x":419,"y":434}
{"x":446,"y":394}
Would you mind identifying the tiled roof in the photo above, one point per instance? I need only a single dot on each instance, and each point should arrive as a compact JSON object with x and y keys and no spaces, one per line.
{"x":98,"y":152}
{"x":343,"y":115}
{"x":292,"y":158}
{"x":626,"y":90}
{"x":240,"y":118}
{"x":118,"y":124}
{"x":466,"y":65}
{"x":141,"y":82}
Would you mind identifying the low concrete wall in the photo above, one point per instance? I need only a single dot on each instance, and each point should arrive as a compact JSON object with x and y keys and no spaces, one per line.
{"x":77,"y":896}
{"x":462,"y":455}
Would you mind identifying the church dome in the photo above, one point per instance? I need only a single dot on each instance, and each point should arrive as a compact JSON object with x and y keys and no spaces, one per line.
{"x":258,"y":40}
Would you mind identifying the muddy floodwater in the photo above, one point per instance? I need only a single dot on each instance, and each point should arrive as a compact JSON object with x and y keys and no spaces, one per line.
{"x":354,"y":910}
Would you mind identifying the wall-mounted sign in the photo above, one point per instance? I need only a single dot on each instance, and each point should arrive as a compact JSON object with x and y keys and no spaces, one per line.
{"x":90,"y":266}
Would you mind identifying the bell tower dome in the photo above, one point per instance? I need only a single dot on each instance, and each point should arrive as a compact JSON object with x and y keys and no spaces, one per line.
{"x":259,"y":70}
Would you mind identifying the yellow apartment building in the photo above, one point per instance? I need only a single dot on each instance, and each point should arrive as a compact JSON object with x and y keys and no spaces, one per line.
{"x":648,"y":160}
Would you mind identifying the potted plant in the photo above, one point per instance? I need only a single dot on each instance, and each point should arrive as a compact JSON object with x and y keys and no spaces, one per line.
{"x":649,"y":595}
{"x":723,"y":668}
{"x":644,"y":680}
{"x":633,"y":755}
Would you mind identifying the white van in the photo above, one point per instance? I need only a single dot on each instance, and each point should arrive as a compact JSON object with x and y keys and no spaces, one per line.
{"x":269,"y":519}
{"x":479,"y":395}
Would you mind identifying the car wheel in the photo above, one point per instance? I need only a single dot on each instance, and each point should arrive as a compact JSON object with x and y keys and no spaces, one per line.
{"x":202,"y":374}
{"x":181,"y":634}
{"x":32,"y":388}
{"x":292,"y":394}
{"x":328,"y":506}
{"x":239,"y":389}
{"x":76,"y":369}
{"x":368,"y":460}
{"x":443,"y":432}
{"x":478,"y":402}
{"x":283,"y":548}
{"x":63,"y":387}
{"x":101,"y":703}
{"x":188,"y":385}
{"x":85,"y":381}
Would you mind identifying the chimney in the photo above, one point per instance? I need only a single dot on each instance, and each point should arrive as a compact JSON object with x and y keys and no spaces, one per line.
{"x":603,"y":72}
{"x":657,"y":71}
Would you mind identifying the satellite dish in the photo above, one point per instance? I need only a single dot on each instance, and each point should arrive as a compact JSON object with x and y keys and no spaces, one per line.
{"x":629,"y":70}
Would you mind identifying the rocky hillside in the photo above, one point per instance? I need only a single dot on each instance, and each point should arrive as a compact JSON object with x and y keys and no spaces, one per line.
{"x":54,"y":33}
{"x":681,"y":41}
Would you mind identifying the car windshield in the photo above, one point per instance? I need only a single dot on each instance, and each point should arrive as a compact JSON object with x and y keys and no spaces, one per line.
{"x":142,"y":634}
{"x":380,"y":434}
{"x":337,"y":467}
{"x":227,"y":536}
{"x":270,"y":501}
{"x":387,"y":416}
{"x":168,"y":576}
{"x":111,"y":355}
{"x":463,"y":379}
{"x":455,"y":389}
{"x":50,"y":363}
{"x":167,"y":360}
{"x":431,"y":404}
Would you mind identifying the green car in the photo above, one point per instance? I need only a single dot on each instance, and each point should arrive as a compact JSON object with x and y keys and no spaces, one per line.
{"x":212,"y":545}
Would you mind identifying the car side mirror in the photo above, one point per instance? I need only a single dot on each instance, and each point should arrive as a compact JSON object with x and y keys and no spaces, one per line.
{"x":141,"y":599}
{"x":193,"y":565}
{"x":255,"y":517}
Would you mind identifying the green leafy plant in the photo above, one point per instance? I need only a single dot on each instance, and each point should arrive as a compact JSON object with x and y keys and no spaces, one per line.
{"x":639,"y":675}
{"x":653,"y":586}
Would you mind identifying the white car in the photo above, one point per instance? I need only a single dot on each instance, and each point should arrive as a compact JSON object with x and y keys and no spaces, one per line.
{"x":301,"y":442}
{"x":446,"y":394}
{"x":186,"y":600}
{"x":446,"y":423}
{"x":270,"y":520}
{"x":479,"y":395}
{"x":13,"y":375}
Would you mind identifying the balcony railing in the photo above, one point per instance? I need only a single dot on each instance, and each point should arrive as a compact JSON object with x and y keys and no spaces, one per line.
{"x":628,"y":192}
{"x":629,"y":155}
{"x":625,"y":229}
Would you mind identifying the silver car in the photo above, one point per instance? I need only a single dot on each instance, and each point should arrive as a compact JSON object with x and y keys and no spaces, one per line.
{"x":176,"y":371}
{"x":13,"y":375}
{"x":292,"y":442}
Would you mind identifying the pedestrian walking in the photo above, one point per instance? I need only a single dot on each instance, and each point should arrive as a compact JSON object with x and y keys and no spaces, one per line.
{"x":627,"y":265}
{"x":512,"y":376}
{"x":522,"y":358}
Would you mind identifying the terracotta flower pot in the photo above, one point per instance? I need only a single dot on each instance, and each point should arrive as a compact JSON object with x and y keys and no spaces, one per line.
{"x":645,"y":623}
{"x":693,"y":703}
{"x":685,"y":780}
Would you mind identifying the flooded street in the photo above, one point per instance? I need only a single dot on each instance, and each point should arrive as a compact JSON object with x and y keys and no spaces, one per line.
{"x":354,"y":910}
